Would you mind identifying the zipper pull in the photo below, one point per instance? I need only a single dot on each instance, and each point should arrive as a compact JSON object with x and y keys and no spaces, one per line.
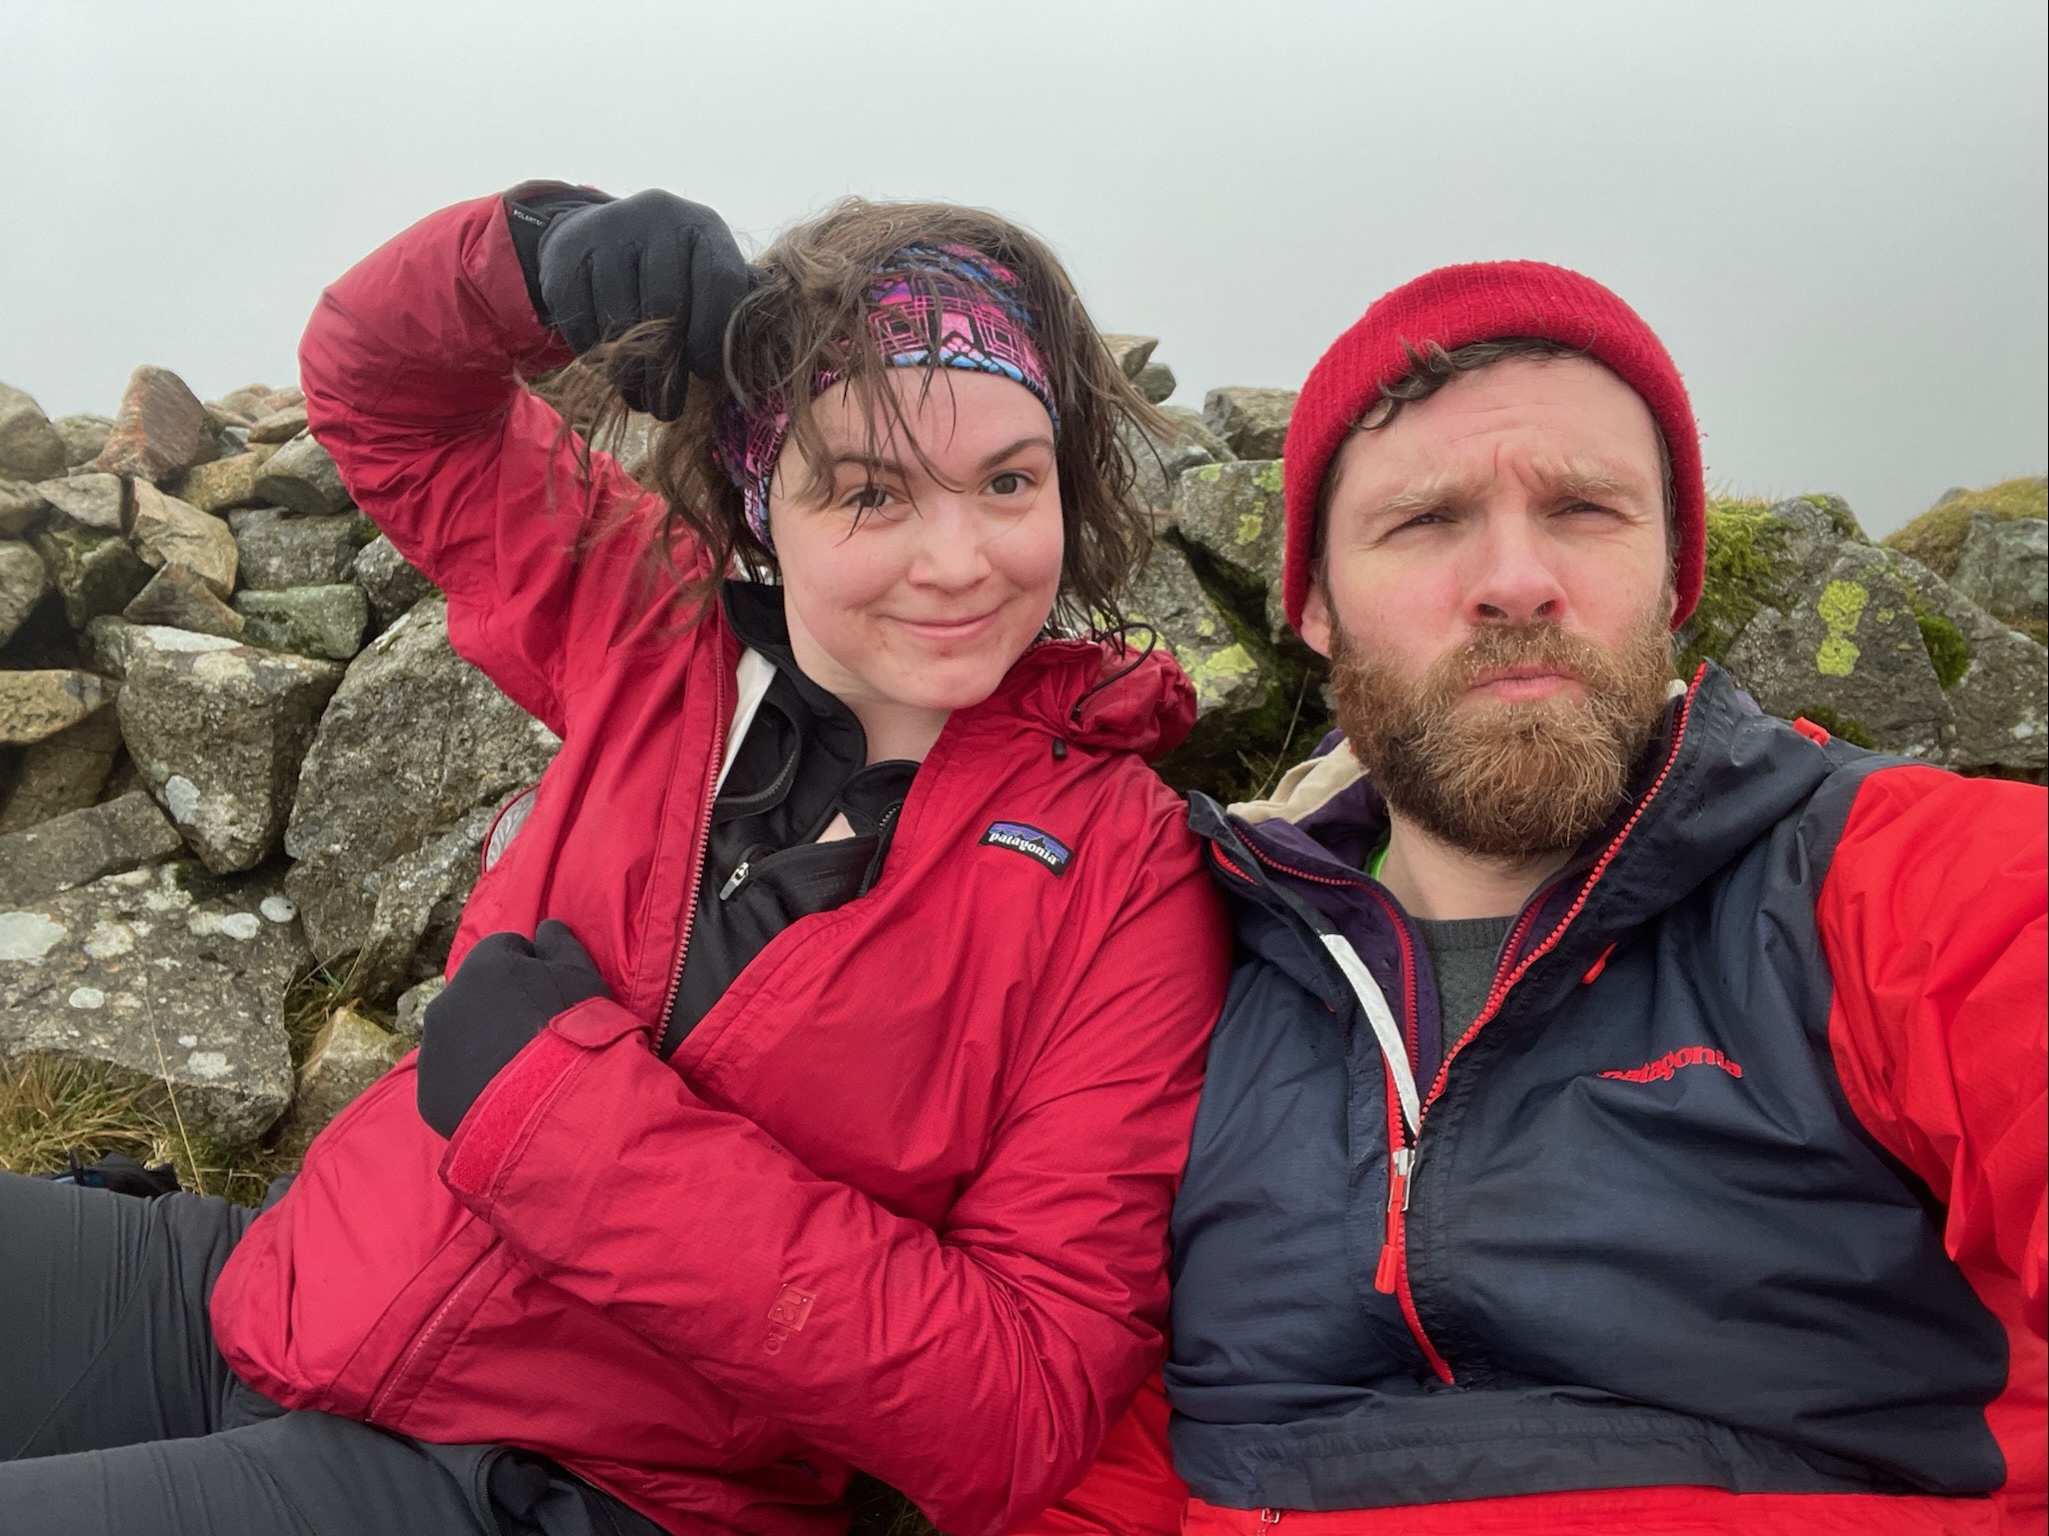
{"x":733,"y":880}
{"x":1384,"y":1273}
{"x":1269,"y":1517}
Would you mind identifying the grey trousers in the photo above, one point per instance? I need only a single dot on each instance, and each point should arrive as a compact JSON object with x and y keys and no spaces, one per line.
{"x":118,"y":1416}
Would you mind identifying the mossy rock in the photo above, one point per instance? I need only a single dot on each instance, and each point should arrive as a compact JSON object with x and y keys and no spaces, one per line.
{"x":1936,"y":537}
{"x":1948,"y":652}
{"x":1749,"y":567}
{"x":1842,"y":727}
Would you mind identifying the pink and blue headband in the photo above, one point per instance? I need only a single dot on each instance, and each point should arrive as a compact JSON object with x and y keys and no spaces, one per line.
{"x":933,"y":307}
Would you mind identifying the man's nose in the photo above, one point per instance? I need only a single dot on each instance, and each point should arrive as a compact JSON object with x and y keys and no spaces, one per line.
{"x":1512,"y":579}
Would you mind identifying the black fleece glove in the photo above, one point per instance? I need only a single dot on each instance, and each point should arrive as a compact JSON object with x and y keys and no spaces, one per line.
{"x":503,"y":995}
{"x":596,"y":267}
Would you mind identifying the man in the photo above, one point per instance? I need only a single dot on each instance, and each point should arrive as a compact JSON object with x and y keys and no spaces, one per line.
{"x":1629,"y":1110}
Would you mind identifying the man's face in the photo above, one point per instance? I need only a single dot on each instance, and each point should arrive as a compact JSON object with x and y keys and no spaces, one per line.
{"x":1497,"y":602}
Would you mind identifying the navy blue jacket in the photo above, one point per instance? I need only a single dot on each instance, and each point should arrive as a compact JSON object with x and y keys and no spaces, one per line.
{"x":1646,"y":1239}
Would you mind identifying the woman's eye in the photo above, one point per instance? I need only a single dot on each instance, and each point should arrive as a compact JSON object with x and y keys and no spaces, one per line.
{"x":866,"y":498}
{"x":1010,"y":483}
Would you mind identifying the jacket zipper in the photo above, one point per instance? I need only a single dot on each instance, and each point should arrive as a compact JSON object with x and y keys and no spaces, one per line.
{"x":698,"y":852}
{"x":1391,"y":1274}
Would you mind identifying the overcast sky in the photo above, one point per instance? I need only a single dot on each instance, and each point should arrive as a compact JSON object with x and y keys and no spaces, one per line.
{"x":1834,"y":213}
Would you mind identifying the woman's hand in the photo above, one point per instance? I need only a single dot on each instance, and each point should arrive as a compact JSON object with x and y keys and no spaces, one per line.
{"x":597,"y":266}
{"x":504,"y":994}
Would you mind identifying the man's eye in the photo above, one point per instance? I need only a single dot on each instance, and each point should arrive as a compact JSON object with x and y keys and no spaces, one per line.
{"x":866,"y":498}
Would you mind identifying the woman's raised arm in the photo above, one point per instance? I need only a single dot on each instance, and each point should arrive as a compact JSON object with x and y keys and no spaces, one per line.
{"x":413,"y":366}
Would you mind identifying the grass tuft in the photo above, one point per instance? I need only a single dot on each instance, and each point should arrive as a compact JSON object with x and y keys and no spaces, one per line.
{"x":1936,"y":537}
{"x":52,"y":1106}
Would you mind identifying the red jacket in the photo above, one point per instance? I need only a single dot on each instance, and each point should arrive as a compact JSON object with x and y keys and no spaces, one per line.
{"x":900,"y":1201}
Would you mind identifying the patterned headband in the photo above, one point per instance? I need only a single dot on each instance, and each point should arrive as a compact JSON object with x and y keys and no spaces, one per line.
{"x":934,"y":307}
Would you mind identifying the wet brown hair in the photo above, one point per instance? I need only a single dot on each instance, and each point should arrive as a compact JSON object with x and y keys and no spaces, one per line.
{"x":808,"y":313}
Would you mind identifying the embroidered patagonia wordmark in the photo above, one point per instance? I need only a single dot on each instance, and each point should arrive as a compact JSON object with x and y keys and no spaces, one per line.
{"x":1031,"y":842}
{"x":792,"y":1309}
{"x":1686,"y":1056}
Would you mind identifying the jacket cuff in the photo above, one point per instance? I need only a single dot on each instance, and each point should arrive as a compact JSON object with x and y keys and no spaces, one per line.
{"x":513,"y":1104}
{"x":530,"y":208}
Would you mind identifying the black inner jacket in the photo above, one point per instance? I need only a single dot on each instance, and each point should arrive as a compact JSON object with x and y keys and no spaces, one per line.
{"x":804,"y":760}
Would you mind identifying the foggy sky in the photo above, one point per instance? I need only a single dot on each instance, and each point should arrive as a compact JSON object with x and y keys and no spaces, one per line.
{"x":1834,"y":213}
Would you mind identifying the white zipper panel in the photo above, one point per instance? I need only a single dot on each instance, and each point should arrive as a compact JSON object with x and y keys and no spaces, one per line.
{"x":1381,"y":1017}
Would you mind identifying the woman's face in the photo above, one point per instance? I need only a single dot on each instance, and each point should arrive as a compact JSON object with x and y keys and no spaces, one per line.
{"x":932,"y":565}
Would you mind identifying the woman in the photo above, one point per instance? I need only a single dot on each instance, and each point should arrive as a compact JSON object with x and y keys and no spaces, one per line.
{"x":815,"y":1099}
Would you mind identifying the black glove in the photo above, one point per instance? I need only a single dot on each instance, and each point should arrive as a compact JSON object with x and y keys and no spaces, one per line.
{"x":504,"y":994}
{"x":596,"y":267}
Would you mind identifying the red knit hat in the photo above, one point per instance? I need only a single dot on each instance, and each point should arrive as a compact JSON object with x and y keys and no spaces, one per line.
{"x":1487,"y":301}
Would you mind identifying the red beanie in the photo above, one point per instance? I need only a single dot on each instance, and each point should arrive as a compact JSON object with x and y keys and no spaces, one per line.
{"x":1487,"y":301}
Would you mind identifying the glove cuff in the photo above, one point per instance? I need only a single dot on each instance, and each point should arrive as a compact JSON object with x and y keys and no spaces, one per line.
{"x":530,"y":208}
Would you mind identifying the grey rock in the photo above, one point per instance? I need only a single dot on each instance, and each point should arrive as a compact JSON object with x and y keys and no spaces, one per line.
{"x":349,"y":1054}
{"x":84,"y":436}
{"x":225,"y":483}
{"x":279,"y":550}
{"x":160,"y":430}
{"x":1161,"y":462}
{"x":167,"y":531}
{"x":1234,"y":680}
{"x":23,"y":581}
{"x":30,"y":448}
{"x":2004,"y":565}
{"x":178,"y":597}
{"x":62,"y":773}
{"x":1130,"y":353}
{"x":90,"y":500}
{"x":280,"y":425}
{"x":419,"y":897}
{"x":413,"y":742}
{"x":311,"y":621}
{"x":82,"y":845}
{"x":2000,"y":706}
{"x":1253,"y":421}
{"x":166,"y":977}
{"x":96,"y":572}
{"x":108,"y":642}
{"x":1847,"y":647}
{"x":22,"y":507}
{"x":1155,"y":381}
{"x":1233,"y":513}
{"x":301,"y":478}
{"x":218,"y":730}
{"x":391,"y":584}
{"x":252,"y":402}
{"x":38,"y":704}
{"x":412,"y":1006}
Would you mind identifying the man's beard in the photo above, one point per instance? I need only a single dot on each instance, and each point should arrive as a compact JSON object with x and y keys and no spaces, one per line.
{"x":1506,"y":781}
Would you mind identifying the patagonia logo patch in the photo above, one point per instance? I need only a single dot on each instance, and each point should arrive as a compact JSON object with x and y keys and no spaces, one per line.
{"x":1662,"y":1069}
{"x":1029,"y":841}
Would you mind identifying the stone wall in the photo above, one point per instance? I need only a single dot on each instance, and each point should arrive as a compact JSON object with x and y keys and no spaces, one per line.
{"x":236,"y":748}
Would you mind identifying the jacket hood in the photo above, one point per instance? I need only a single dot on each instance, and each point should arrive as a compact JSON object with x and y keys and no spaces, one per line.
{"x":1098,"y":694}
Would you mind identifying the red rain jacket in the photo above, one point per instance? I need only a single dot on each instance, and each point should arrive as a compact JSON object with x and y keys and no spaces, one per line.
{"x":900,"y":1201}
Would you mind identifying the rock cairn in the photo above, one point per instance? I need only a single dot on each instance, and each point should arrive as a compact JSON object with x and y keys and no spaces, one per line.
{"x":235,"y":743}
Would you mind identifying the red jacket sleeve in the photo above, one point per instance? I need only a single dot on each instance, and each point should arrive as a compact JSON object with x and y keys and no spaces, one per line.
{"x":1935,"y":920}
{"x":975,"y":1367}
{"x":412,"y":365}
{"x":1132,"y":1490}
